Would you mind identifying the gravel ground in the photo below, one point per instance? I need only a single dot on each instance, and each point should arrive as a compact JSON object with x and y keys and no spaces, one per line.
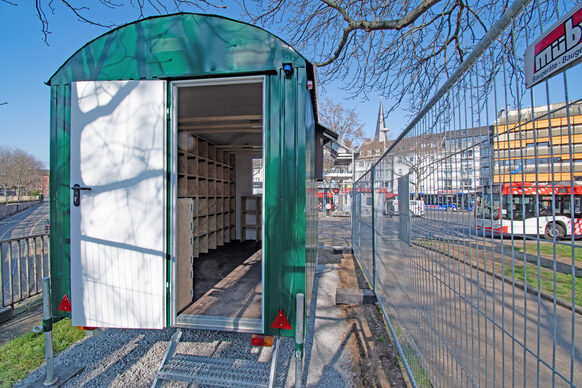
{"x":130,"y":358}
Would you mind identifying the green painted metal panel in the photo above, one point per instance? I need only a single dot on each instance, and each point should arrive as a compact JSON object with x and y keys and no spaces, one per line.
{"x":177,"y":46}
{"x":59,"y":195}
{"x":285,"y":196}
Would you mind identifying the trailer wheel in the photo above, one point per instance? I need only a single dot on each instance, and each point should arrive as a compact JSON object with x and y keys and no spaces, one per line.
{"x":560,"y":231}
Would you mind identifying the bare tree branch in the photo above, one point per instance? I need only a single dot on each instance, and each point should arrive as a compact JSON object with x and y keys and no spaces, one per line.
{"x":77,"y":10}
{"x":345,"y":122}
{"x":86,"y":14}
{"x":401,"y":49}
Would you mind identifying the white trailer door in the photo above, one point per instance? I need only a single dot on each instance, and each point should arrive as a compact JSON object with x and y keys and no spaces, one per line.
{"x":118,"y":216}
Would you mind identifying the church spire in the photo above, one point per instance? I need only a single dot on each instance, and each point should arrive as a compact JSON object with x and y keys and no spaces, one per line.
{"x":380,"y":126}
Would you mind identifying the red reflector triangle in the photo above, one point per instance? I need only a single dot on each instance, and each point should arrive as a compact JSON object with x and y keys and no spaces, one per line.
{"x":281,"y":321}
{"x":65,"y":304}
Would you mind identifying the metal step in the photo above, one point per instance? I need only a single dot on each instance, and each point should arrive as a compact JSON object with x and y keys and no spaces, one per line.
{"x":219,"y":372}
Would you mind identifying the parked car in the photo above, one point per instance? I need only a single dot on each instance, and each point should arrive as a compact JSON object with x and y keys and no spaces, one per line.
{"x":416,"y":207}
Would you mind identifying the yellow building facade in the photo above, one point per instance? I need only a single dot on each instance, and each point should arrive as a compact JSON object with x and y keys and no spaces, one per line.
{"x":542,"y":146}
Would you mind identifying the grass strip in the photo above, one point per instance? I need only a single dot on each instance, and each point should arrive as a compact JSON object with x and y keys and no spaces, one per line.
{"x":22,"y":355}
{"x":547,"y":248}
{"x":563,"y":282}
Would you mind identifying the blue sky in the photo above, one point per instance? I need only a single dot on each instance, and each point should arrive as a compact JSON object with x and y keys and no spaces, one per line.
{"x":27,"y":63}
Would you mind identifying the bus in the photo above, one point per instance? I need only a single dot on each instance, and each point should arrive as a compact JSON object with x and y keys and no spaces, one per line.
{"x":531,"y":209}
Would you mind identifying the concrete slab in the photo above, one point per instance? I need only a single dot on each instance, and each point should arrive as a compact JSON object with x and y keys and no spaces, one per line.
{"x":354,"y":296}
{"x":6,"y":314}
{"x":62,"y":376}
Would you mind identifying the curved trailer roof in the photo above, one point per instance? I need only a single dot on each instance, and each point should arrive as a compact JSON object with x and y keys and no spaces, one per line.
{"x":181,"y":45}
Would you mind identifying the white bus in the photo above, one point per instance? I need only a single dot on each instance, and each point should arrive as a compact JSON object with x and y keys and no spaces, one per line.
{"x":530,"y":209}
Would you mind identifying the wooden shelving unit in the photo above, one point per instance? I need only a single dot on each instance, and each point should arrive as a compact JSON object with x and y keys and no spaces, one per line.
{"x":251,"y":216}
{"x":185,"y":227}
{"x":206,"y":175}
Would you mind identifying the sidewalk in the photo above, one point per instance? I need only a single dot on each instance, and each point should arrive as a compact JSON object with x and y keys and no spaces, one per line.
{"x":357,"y":329}
{"x":26,"y":315}
{"x":10,"y":209}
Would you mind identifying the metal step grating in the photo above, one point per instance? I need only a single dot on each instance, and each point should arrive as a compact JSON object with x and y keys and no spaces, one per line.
{"x":222,"y":372}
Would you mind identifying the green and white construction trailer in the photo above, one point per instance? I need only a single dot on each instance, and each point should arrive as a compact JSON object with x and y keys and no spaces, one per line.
{"x":156,"y":131}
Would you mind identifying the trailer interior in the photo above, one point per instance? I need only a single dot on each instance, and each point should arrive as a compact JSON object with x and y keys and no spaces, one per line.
{"x":219,"y":266}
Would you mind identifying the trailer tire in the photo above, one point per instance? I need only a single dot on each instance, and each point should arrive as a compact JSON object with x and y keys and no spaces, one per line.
{"x":560,"y":231}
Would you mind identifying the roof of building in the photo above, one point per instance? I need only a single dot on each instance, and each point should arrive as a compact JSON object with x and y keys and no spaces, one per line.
{"x":469,"y":132}
{"x":373,"y":148}
{"x":539,"y":112}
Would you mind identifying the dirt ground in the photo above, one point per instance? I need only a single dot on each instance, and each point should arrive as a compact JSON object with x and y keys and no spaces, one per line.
{"x":371,"y":342}
{"x":27,"y":315}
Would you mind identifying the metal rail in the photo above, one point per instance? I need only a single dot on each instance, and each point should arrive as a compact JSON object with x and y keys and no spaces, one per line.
{"x":24,"y":262}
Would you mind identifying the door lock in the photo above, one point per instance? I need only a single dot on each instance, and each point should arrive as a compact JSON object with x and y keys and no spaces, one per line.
{"x":77,"y":193}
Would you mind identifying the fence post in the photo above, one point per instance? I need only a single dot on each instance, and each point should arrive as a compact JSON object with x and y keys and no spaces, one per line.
{"x":299,"y":314}
{"x":47,"y":325}
{"x":353,"y":192}
{"x":10,"y":276}
{"x":373,"y":173}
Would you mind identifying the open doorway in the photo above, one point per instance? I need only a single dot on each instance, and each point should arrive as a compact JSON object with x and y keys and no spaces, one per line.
{"x":218,"y":282}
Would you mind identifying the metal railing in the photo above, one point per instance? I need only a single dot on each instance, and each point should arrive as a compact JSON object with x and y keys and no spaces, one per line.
{"x":25,"y":261}
{"x":468,"y":227}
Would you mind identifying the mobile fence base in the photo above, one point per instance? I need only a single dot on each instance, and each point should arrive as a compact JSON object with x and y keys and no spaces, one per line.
{"x":59,"y":377}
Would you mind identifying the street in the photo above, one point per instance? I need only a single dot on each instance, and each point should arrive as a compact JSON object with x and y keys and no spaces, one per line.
{"x":26,"y":223}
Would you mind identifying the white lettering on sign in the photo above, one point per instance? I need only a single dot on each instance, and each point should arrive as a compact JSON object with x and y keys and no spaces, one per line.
{"x":559,"y":42}
{"x":556,"y":50}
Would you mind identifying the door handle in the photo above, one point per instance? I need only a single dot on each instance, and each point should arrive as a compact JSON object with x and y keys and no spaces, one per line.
{"x":77,"y":193}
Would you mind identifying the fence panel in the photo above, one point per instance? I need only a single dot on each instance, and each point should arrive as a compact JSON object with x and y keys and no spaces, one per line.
{"x":334,"y":229}
{"x":362,"y":204}
{"x":24,"y":263}
{"x":477,"y":216}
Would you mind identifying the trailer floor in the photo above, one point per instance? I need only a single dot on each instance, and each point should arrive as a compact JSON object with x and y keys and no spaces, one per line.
{"x":227,"y":282}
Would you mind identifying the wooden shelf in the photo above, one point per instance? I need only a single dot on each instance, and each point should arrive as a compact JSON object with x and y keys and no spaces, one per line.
{"x":206,"y":179}
{"x":251,"y":217}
